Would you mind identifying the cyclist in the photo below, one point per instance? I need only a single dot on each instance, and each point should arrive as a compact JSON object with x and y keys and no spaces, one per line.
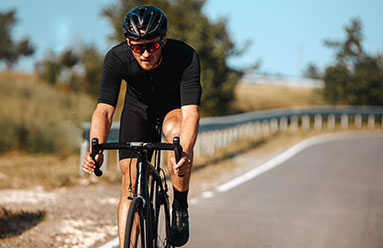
{"x":163,"y":83}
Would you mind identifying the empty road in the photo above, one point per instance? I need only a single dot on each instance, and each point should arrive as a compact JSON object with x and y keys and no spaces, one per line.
{"x":328,"y":194}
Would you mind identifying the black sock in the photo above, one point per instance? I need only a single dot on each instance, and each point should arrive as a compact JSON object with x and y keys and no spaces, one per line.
{"x":180,"y":201}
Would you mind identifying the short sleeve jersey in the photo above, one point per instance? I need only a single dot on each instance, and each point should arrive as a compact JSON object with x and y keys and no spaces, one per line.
{"x":175,"y":81}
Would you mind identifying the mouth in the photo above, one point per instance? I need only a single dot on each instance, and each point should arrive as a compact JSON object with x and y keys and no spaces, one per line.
{"x":146,"y":61}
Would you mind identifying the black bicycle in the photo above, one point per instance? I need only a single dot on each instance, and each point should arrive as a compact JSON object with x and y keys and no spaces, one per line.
{"x":148,"y":221}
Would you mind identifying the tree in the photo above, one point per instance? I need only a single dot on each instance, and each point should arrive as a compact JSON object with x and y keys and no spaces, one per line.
{"x":210,"y":39}
{"x":350,"y":50}
{"x":10,"y":50}
{"x":355,"y":78}
{"x":81,"y":71}
{"x":312,"y":72}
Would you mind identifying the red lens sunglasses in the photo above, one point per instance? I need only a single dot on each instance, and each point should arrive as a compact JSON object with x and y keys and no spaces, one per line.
{"x":150,"y":47}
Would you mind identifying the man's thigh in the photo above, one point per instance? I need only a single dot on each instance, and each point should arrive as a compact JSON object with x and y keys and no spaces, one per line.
{"x":135,"y":127}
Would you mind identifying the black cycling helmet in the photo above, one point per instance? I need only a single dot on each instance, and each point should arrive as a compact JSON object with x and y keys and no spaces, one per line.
{"x":145,"y":22}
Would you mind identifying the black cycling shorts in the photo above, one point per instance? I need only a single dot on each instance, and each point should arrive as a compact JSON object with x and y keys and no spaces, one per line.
{"x":138,"y":124}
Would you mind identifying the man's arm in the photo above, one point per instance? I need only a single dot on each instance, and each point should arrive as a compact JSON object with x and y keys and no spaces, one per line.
{"x":189,"y":128}
{"x":101,"y":122}
{"x":100,"y":127}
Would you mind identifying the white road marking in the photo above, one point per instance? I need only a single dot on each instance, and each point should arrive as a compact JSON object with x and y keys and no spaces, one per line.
{"x":207,"y":194}
{"x":278,"y":160}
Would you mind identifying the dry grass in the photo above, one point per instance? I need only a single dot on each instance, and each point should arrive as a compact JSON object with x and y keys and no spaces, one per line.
{"x":251,"y":97}
{"x":37,"y":117}
{"x":33,"y":113}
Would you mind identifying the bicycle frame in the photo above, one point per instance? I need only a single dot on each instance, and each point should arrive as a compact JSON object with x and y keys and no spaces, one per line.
{"x":143,"y":168}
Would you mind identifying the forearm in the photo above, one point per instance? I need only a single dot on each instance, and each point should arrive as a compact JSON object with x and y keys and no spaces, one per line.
{"x":101,"y":124}
{"x":189,"y":131}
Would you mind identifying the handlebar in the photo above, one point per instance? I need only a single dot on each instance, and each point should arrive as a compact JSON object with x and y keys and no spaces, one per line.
{"x":134,"y":146}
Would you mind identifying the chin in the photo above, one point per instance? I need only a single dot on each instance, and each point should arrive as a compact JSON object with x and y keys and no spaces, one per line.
{"x":147,"y":68}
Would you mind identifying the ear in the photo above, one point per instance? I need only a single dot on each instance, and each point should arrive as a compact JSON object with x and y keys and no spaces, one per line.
{"x":128,"y":41}
{"x":165,"y":39}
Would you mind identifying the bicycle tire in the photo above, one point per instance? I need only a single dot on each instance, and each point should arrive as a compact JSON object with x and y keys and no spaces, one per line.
{"x":162,"y":219}
{"x":135,"y":228}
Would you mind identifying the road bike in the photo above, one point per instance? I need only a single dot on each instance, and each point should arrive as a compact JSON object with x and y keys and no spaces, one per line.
{"x":148,"y":220}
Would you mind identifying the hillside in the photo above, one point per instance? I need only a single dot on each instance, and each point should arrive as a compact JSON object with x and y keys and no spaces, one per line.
{"x":252,"y":97}
{"x":37,"y":117}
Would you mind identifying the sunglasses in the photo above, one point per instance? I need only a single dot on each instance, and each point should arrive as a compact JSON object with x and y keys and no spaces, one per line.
{"x":150,"y":47}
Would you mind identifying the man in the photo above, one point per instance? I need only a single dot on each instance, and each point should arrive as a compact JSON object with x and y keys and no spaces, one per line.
{"x":163,"y":82}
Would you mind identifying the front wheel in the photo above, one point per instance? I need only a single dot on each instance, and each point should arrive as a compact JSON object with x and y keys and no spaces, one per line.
{"x":162,"y":220}
{"x":135,"y":231}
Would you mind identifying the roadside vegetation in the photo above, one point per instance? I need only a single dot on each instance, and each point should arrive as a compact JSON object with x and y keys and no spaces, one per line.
{"x":38,"y":118}
{"x":252,"y":97}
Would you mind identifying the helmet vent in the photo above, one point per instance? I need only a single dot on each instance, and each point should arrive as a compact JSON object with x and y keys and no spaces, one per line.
{"x":145,"y":22}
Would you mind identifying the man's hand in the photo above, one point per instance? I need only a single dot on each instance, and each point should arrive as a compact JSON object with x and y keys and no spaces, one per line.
{"x":88,"y":164}
{"x":183,"y":166}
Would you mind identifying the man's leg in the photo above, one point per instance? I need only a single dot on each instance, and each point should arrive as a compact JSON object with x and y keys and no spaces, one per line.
{"x":128,"y":170}
{"x":180,"y":227}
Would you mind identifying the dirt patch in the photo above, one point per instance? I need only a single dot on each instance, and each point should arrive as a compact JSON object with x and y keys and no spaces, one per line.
{"x":80,"y":216}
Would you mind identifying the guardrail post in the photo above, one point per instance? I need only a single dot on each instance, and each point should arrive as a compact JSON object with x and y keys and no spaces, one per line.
{"x":258,"y":129}
{"x":105,"y":163}
{"x":211,"y":143}
{"x":305,"y":123}
{"x":118,"y":161}
{"x":358,"y":121}
{"x":283,"y":124}
{"x":250,"y":129}
{"x":273,"y":125}
{"x":83,"y":149}
{"x":371,"y":121}
{"x":318,"y":122}
{"x":265,"y":128}
{"x":344,"y":121}
{"x":331,"y":121}
{"x":235,"y":133}
{"x":294,"y":124}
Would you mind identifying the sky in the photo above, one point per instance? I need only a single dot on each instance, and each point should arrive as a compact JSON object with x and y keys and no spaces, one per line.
{"x":285,"y":35}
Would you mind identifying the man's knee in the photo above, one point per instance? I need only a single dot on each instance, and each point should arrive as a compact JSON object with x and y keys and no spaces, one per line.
{"x":172,"y":124}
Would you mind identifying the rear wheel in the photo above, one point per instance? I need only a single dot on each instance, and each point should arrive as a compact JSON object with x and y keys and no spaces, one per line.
{"x":135,"y":231}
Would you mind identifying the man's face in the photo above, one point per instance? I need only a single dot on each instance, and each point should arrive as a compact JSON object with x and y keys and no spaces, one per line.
{"x":147,"y":60}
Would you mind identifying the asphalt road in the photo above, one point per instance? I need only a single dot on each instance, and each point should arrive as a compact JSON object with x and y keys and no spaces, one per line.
{"x":329,"y":194}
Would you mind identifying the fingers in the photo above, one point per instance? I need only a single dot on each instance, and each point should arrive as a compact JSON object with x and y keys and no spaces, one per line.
{"x":182,"y":166}
{"x":88,"y":164}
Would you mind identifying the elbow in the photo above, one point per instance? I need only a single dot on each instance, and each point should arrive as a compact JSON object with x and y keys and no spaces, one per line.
{"x":104,"y":113}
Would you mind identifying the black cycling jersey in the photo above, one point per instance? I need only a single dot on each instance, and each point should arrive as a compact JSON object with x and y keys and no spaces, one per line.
{"x":176,"y":79}
{"x":150,"y":94}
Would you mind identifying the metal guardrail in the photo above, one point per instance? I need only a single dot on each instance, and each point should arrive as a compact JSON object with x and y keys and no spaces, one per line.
{"x":218,"y":132}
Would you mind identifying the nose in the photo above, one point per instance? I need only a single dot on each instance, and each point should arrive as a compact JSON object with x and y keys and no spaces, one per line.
{"x":146,"y":54}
